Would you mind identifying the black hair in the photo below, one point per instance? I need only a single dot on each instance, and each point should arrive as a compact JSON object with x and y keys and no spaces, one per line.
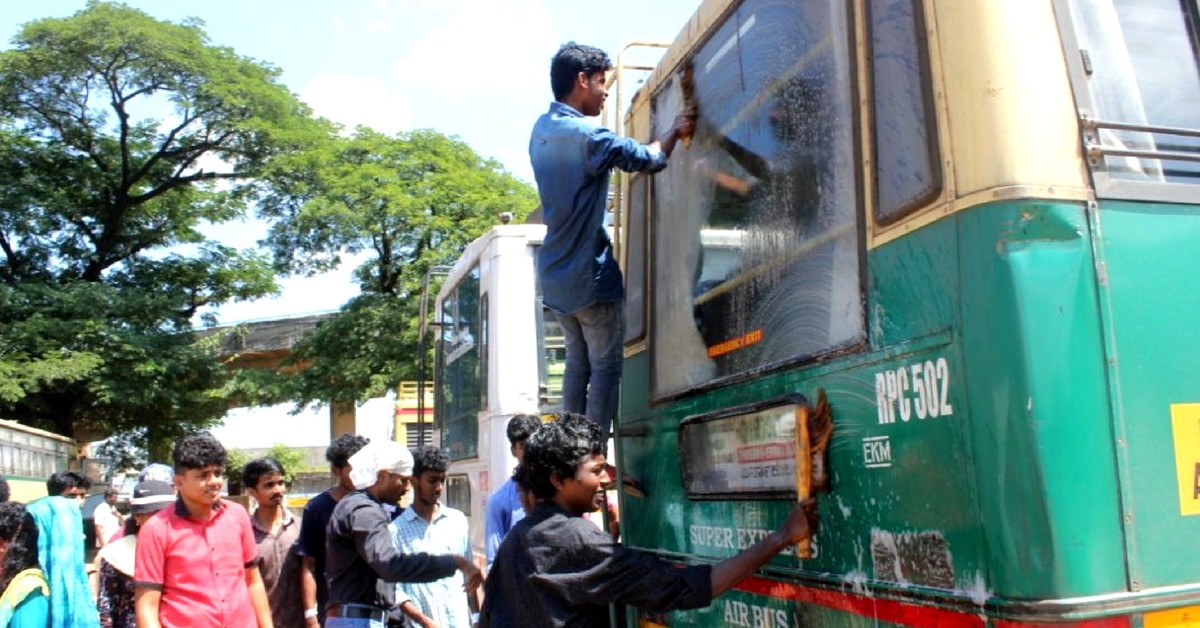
{"x":520,"y":475}
{"x":521,"y":426}
{"x":61,"y":481}
{"x":430,"y":458}
{"x":255,"y":469}
{"x":339,"y":451}
{"x":558,"y":448}
{"x":569,"y":61}
{"x":198,"y":451}
{"x":5,"y":492}
{"x":17,"y":527}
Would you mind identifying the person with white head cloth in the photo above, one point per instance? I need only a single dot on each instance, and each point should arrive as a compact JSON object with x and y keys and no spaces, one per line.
{"x":361,"y":560}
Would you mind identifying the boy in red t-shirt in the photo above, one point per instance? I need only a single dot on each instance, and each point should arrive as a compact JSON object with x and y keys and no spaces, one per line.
{"x":195,"y":564}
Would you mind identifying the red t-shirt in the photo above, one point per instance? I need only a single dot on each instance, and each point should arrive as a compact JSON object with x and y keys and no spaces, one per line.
{"x":199,"y":566}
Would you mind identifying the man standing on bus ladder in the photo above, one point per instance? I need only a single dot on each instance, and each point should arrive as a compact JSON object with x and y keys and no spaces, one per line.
{"x":580,"y":279}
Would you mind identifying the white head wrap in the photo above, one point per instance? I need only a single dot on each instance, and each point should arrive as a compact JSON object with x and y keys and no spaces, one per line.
{"x":376,"y":456}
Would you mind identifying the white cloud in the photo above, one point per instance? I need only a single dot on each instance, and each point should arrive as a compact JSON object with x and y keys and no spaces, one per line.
{"x":486,"y":47}
{"x":387,"y":16}
{"x":351,"y":100}
{"x":264,"y":426}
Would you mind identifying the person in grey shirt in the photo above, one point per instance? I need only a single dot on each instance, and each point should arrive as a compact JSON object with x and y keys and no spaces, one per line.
{"x":557,"y":569}
{"x":360,"y":557}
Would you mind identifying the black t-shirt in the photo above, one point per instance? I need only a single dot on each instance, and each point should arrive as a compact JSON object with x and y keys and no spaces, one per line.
{"x":316,"y":516}
{"x":362,"y":554}
{"x":554,"y":570}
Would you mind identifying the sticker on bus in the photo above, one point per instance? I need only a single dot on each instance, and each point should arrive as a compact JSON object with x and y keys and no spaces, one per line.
{"x":735,"y":343}
{"x":1186,"y":617}
{"x":1185,"y":417}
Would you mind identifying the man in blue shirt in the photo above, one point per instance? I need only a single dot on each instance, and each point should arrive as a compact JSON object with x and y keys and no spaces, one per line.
{"x":504,"y":506}
{"x":579,"y":276}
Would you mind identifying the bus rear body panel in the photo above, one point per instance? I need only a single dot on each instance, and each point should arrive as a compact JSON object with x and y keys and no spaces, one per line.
{"x":1150,"y":260}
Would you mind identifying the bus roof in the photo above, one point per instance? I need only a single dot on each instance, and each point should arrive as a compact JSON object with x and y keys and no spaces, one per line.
{"x":21,"y":427}
{"x":531,"y":233}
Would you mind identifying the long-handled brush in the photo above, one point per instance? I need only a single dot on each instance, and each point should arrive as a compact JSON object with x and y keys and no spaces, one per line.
{"x":814,"y":429}
{"x":691,"y":104}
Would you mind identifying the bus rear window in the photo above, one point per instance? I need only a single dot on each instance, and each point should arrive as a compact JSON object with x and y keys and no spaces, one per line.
{"x":755,"y":256}
{"x":1143,"y":81}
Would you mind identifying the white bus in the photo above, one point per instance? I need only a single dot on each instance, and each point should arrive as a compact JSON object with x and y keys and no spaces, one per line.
{"x":498,"y":353}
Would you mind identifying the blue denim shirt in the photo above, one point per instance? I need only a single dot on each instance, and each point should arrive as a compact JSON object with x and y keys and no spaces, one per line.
{"x":571,"y":163}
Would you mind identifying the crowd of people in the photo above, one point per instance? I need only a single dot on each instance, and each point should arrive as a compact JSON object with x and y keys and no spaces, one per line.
{"x":185,"y":556}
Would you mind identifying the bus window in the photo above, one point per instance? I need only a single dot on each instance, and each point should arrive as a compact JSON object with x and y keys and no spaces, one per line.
{"x":458,"y":493}
{"x":906,"y":164}
{"x":459,"y":387}
{"x":756,"y":258}
{"x":635,"y":261}
{"x":552,"y":360}
{"x":483,"y":352}
{"x":1140,"y":61}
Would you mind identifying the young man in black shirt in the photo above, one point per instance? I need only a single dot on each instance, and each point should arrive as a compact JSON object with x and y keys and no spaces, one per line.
{"x":556,"y":568}
{"x":313,"y":585}
{"x":361,"y":555}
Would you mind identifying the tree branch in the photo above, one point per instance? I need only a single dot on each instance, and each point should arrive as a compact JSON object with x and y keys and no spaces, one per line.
{"x":14,"y":260}
{"x":182,"y":181}
{"x":163,"y":152}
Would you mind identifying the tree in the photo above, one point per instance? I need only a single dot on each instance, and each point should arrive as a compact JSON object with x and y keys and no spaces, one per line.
{"x":406,"y":203}
{"x":235,"y":463}
{"x":121,"y":136}
{"x":290,"y":458}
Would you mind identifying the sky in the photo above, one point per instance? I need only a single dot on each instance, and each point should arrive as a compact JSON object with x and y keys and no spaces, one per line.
{"x":478,"y":69}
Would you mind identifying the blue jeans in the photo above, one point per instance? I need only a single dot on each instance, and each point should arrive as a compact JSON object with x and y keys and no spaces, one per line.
{"x":594,"y":337}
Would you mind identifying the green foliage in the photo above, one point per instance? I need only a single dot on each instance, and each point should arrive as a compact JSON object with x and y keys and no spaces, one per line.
{"x":291,"y":458}
{"x":406,"y":202}
{"x":121,"y":136}
{"x":135,"y":448}
{"x":124,"y":452}
{"x":235,"y":463}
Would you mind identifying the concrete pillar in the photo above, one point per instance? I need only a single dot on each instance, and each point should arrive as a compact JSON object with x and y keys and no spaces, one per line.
{"x":342,"y":419}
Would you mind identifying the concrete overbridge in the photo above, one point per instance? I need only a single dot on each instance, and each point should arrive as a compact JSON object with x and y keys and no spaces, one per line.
{"x":266,"y":344}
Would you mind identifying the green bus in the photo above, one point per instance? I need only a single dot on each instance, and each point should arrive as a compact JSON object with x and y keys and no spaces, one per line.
{"x":975,"y":226}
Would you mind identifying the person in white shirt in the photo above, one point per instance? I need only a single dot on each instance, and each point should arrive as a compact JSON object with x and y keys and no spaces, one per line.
{"x":107,"y":518}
